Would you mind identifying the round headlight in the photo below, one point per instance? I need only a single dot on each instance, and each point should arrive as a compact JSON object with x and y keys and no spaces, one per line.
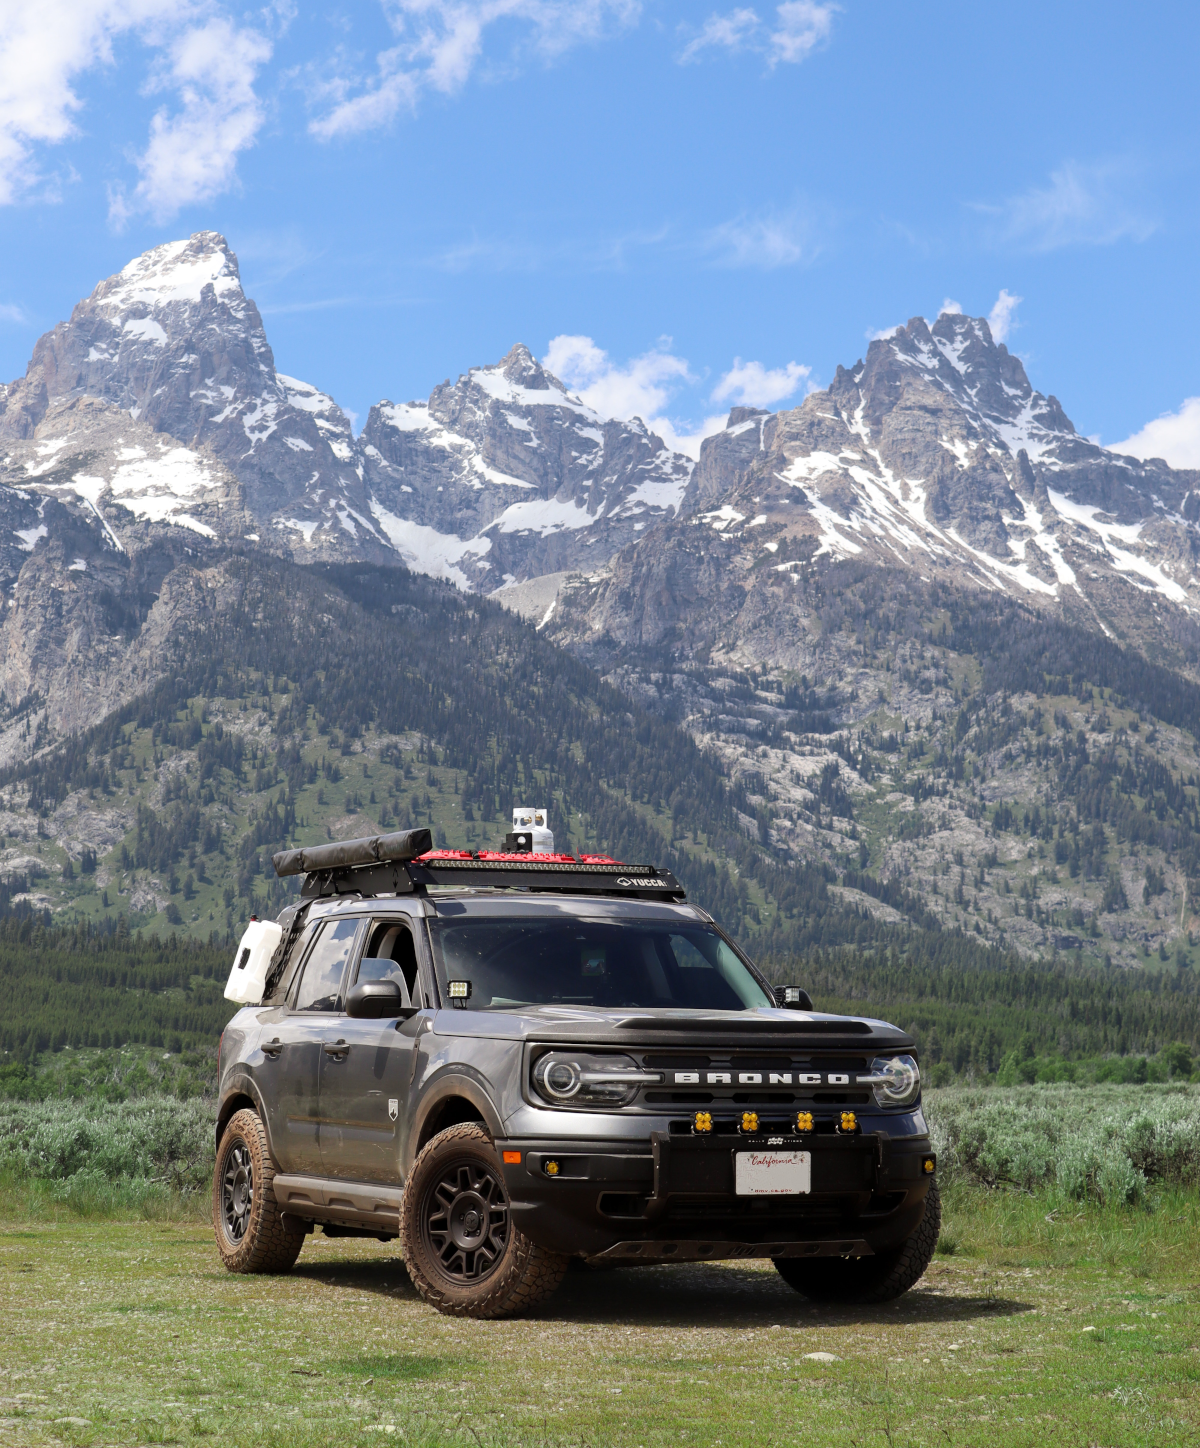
{"x":558,"y":1077}
{"x":581,"y":1079}
{"x":897,"y":1080}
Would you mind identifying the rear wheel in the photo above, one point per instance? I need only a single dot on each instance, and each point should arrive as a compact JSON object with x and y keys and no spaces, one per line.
{"x":252,"y":1233}
{"x":462,"y":1251}
{"x":868,"y":1279}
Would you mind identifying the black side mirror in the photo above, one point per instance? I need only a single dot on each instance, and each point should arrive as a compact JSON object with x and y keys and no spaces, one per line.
{"x":793,"y":996}
{"x":376,"y":999}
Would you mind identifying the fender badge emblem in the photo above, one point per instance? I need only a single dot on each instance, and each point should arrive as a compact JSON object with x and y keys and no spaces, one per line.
{"x":393,"y":1107}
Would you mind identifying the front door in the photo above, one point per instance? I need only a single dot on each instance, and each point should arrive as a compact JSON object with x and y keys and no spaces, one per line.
{"x":367,"y":1067}
{"x":293,"y":1048}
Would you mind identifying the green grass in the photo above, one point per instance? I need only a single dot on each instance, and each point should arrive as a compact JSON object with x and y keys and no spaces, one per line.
{"x":1054,"y":1311}
{"x":1075,"y":1328}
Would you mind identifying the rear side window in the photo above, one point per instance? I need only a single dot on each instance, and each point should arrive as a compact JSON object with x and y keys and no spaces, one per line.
{"x":283,"y":987}
{"x":321,"y":983}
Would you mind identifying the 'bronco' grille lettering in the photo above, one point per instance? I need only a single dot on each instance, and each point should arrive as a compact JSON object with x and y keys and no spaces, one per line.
{"x":755,"y":1078}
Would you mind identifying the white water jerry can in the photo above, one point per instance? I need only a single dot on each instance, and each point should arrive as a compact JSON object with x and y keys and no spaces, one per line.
{"x":253,"y":959}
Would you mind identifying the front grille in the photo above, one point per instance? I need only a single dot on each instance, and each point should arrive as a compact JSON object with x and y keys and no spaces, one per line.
{"x":733,"y":1079}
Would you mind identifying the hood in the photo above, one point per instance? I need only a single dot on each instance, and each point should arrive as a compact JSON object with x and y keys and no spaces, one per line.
{"x":676,"y":1027}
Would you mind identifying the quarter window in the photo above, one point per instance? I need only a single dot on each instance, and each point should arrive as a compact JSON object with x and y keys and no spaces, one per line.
{"x":321,"y":984}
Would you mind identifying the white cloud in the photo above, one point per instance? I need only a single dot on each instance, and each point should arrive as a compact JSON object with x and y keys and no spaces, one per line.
{"x":439,"y":44}
{"x":1082,"y":206}
{"x":46,"y":46}
{"x":1174,"y":436}
{"x":798,"y":28}
{"x":646,"y":386}
{"x":884,"y":333}
{"x":641,"y":388}
{"x":193,"y":152}
{"x":679,"y":438}
{"x":1003,"y":317}
{"x":722,"y":32}
{"x":801,"y":26}
{"x":766,"y":241}
{"x":950,"y":305}
{"x":10,"y":312}
{"x":750,"y":384}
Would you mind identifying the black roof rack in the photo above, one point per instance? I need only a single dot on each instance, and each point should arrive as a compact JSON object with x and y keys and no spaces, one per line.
{"x":404,"y":864}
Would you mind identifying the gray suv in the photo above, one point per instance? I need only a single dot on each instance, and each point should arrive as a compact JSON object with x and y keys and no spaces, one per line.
{"x":509,"y":1061}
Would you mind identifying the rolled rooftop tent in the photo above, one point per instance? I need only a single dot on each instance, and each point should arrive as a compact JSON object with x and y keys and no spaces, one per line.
{"x":399,"y":847}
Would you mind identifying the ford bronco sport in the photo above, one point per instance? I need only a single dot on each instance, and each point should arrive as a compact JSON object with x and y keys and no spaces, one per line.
{"x":511,"y":1060}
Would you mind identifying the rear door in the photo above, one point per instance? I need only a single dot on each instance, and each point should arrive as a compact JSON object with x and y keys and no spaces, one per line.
{"x":291,"y":1072}
{"x":364,"y":1084}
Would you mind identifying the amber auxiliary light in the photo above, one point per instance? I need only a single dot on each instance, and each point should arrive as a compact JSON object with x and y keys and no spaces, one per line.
{"x":803,"y":1121}
{"x":749,"y":1123}
{"x":702,"y":1122}
{"x":847,"y":1123}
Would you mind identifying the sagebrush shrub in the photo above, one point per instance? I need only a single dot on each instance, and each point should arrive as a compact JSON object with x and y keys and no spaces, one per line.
{"x":1102,"y":1142}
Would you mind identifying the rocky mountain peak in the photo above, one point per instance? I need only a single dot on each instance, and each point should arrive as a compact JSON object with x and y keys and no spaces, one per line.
{"x":523,"y":370}
{"x":178,"y":272}
{"x":958,"y":357}
{"x":173,"y":344}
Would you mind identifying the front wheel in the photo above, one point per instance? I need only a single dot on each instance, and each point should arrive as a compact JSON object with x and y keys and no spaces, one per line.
{"x":862,"y":1280}
{"x":252,"y":1233}
{"x":462,"y":1251}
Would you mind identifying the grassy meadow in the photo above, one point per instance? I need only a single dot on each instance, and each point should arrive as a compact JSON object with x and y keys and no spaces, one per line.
{"x":1078,"y":1327}
{"x":1064,"y":1305}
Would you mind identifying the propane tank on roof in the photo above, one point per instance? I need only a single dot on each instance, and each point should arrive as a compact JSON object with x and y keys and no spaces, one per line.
{"x":530,"y":831}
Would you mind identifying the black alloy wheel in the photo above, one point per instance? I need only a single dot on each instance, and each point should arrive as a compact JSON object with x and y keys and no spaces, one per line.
{"x":464,"y":1222}
{"x":237,"y":1191}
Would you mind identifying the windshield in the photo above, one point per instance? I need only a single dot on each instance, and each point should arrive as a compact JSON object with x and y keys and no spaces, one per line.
{"x":521,"y":962}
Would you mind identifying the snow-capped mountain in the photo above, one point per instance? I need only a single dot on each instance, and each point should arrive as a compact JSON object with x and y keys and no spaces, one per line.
{"x":504,"y":475}
{"x":158,"y":403}
{"x":152,"y":431}
{"x":172,"y":349}
{"x":936,"y":455}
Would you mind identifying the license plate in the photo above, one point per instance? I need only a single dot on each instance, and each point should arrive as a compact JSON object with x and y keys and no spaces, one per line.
{"x":772,"y":1173}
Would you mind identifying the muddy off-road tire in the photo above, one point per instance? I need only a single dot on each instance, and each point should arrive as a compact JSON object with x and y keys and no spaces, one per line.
{"x":862,"y":1280}
{"x":462,"y":1251}
{"x":252,"y":1234}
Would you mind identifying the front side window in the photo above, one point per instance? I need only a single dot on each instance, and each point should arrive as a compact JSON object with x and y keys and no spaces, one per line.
{"x":321,"y":983}
{"x":391,"y":955}
{"x":512,"y":962}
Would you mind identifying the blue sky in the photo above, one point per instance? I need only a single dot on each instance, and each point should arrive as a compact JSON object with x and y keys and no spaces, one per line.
{"x":682,"y":205}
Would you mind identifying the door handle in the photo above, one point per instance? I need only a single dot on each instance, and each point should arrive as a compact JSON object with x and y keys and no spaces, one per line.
{"x":335,"y":1048}
{"x":272,"y":1048}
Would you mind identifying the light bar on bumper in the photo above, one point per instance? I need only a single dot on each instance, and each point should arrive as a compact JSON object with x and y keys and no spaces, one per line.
{"x":576,"y":1078}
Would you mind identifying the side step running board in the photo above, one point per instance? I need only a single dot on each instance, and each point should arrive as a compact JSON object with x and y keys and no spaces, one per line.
{"x":347,"y":1204}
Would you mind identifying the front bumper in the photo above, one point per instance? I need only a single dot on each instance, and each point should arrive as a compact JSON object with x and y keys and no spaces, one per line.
{"x":673,"y":1198}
